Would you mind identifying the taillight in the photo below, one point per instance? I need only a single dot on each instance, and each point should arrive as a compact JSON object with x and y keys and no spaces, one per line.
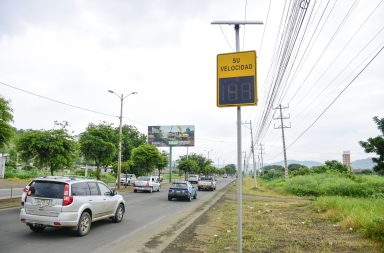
{"x":67,"y":200}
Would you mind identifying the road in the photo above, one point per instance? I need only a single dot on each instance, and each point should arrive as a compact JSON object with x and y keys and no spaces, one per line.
{"x":7,"y":193}
{"x":147,"y":215}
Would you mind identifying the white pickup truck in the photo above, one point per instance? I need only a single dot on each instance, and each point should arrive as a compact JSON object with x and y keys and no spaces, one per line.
{"x":207,"y":183}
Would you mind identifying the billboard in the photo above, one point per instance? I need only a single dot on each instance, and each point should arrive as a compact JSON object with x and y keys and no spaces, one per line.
{"x":175,"y":135}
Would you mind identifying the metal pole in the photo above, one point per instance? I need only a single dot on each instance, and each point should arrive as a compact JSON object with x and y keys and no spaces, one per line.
{"x":120,"y":134}
{"x":253,"y":155}
{"x":284,"y":150}
{"x":239,"y":169}
{"x":170,"y":164}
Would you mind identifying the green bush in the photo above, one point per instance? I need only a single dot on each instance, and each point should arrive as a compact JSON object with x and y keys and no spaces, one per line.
{"x":28,"y":168}
{"x":272,"y":174}
{"x":10,"y":172}
{"x":80,"y":173}
{"x":331,"y":183}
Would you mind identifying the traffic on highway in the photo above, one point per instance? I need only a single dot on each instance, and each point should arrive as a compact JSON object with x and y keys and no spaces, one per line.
{"x":145,"y":215}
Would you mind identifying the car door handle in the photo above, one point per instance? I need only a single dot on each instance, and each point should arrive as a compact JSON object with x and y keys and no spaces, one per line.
{"x":90,"y":200}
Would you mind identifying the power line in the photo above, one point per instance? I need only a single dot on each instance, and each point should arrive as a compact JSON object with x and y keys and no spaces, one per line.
{"x":56,"y":101}
{"x":345,"y":88}
{"x":225,"y":37}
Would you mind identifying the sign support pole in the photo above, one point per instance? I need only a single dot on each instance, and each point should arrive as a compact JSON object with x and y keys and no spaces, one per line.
{"x":239,"y":168}
{"x":239,"y":151}
{"x":170,"y":164}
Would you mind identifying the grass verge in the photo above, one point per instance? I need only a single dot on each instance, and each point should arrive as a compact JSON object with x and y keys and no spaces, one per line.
{"x":271,"y":223}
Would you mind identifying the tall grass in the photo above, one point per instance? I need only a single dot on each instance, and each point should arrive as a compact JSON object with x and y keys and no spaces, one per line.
{"x":357,"y":202}
{"x":365,"y":215}
{"x":333,"y":184}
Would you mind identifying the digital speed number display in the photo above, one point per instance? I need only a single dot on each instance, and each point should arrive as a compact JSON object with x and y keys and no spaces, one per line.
{"x":236,"y":79}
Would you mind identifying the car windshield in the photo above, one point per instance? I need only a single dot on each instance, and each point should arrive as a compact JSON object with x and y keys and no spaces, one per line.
{"x":206,"y":179}
{"x":144,"y":179}
{"x":179,"y":185}
{"x":47,"y":189}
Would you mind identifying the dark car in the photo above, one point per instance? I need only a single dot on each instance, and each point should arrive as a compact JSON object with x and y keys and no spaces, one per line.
{"x":182,"y":190}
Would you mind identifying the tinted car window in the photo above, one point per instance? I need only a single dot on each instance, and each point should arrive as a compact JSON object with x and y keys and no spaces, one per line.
{"x":93,"y":188}
{"x":80,"y":189}
{"x":143,"y":178}
{"x":104,"y":189}
{"x":47,"y":189}
{"x":180,"y":185}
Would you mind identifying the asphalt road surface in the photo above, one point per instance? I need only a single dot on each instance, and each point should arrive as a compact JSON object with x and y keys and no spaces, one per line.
{"x":147,"y":215}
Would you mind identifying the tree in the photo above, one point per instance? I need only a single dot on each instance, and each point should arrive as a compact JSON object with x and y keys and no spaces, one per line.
{"x":145,"y":157}
{"x":188,"y":166}
{"x":376,"y":145}
{"x":163,"y":162}
{"x":55,"y":149}
{"x":230,"y":169}
{"x":336,"y":166}
{"x":131,"y":138}
{"x":201,"y":161}
{"x":98,"y":143}
{"x":6,"y":130}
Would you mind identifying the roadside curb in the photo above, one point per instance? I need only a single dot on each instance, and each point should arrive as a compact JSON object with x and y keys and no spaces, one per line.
{"x":156,"y":239}
{"x":161,"y":241}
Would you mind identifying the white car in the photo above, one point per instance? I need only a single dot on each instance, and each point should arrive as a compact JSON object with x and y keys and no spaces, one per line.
{"x":146,"y":183}
{"x":127,"y":179}
{"x":69,"y":202}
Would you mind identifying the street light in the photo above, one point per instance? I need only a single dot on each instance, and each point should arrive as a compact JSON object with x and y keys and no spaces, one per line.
{"x":208,"y":152}
{"x":121,"y":97}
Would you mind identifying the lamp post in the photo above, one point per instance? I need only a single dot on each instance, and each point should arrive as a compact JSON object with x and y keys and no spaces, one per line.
{"x":121,"y":97}
{"x":208,"y":152}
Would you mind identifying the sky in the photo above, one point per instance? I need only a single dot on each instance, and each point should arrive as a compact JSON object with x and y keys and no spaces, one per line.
{"x":58,"y":59}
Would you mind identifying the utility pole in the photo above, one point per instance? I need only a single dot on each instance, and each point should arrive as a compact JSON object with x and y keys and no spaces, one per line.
{"x":281,"y":117}
{"x":261,"y":155}
{"x":253,"y":153}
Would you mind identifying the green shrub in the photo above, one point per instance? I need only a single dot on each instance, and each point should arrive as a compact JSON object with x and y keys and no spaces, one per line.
{"x":80,"y":173}
{"x":10,"y":172}
{"x":28,"y":168}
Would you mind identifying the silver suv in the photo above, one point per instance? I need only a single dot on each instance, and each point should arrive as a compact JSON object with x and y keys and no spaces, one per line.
{"x":70,"y":202}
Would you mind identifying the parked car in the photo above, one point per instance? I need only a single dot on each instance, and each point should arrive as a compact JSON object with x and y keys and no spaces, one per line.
{"x":207,"y":183}
{"x":127,"y":179}
{"x":69,"y":202}
{"x":182,"y":190}
{"x":146,"y":183}
{"x":225,"y":176}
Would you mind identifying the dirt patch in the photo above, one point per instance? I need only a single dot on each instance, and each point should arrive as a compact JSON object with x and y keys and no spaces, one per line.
{"x":8,"y":203}
{"x":270,"y":224}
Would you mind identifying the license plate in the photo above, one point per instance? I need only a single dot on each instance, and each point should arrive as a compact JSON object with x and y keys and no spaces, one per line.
{"x":41,"y":202}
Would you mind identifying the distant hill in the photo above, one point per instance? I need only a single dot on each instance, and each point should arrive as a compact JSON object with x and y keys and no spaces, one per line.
{"x":309,"y":164}
{"x":362,"y":164}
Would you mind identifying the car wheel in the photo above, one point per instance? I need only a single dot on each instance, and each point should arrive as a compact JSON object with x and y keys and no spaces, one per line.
{"x":84,"y":224}
{"x":169,"y":198}
{"x":36,"y":228}
{"x":195,"y":196}
{"x":134,"y":190}
{"x":190,"y":197}
{"x":158,"y":189}
{"x":119,"y":214}
{"x":151,"y":190}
